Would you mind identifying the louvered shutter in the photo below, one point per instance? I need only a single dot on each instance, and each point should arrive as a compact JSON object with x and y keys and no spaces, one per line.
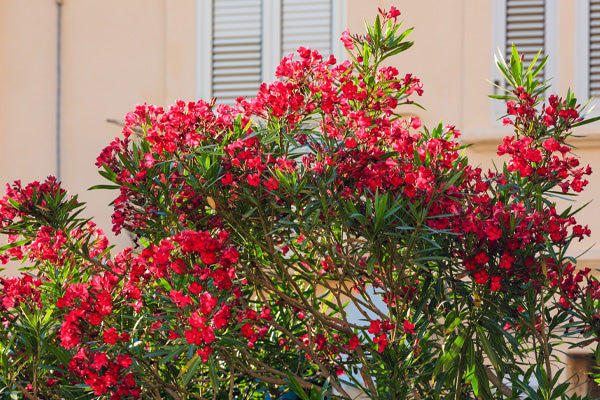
{"x":594,"y":49}
{"x":236,"y":49}
{"x":306,"y":23}
{"x":525,"y":27}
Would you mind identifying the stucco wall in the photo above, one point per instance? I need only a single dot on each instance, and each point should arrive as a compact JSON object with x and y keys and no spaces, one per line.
{"x":453,"y":56}
{"x":115,"y":54}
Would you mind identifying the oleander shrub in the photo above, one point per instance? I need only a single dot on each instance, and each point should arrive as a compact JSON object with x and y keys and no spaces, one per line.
{"x":310,"y":243}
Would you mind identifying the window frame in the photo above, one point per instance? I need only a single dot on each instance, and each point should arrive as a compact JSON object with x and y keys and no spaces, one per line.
{"x":581,"y":80}
{"x":271,"y":40}
{"x":551,"y":38}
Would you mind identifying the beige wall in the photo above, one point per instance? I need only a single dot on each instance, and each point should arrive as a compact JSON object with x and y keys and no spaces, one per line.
{"x":453,"y":55}
{"x":116,"y":54}
{"x":27,"y":88}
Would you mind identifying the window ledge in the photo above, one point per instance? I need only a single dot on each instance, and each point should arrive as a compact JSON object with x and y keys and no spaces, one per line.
{"x":585,"y":137}
{"x":488,"y":135}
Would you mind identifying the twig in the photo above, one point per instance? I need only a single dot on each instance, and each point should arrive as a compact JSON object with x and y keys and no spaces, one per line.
{"x":23,"y":390}
{"x":497,"y":382}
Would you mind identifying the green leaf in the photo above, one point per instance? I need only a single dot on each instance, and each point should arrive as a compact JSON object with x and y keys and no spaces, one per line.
{"x":531,"y":393}
{"x":144,"y":242}
{"x":172,"y":355}
{"x":324,"y":390}
{"x":500,"y":97}
{"x":190,"y":369}
{"x":540,"y":65}
{"x":456,"y":347}
{"x":487,"y":348}
{"x":482,"y":380}
{"x":371,"y":264}
{"x":516,"y":66}
{"x":376,"y":31}
{"x":13,"y":245}
{"x":296,"y":388}
{"x":453,"y":324}
{"x":380,"y":208}
{"x":212,"y":371}
{"x":156,"y":353}
{"x":108,"y":187}
{"x":585,"y":122}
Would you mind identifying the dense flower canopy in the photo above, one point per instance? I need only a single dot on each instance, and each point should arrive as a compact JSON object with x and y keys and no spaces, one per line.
{"x":258,"y":225}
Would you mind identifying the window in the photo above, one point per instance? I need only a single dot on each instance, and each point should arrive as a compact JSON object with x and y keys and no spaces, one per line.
{"x":532,"y":25}
{"x":240,"y":42}
{"x":236,"y":48}
{"x":587,"y":50}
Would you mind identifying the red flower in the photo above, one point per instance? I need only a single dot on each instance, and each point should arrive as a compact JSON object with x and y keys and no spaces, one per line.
{"x":408,"y":327}
{"x":481,"y":258}
{"x":209,"y":257}
{"x":272,"y":184}
{"x":222,"y":317}
{"x":481,"y":276}
{"x":347,"y":40}
{"x":207,"y":303}
{"x":381,"y":342}
{"x":110,"y":336}
{"x":179,"y":298}
{"x":227,"y":179}
{"x":375,"y":327}
{"x":100,"y":361}
{"x":254,"y":179}
{"x":103,"y":303}
{"x":69,"y":335}
{"x":415,"y":122}
{"x":353,"y":343}
{"x":351,"y":143}
{"x":495,"y":283}
{"x":493,"y":232}
{"x":393,"y":13}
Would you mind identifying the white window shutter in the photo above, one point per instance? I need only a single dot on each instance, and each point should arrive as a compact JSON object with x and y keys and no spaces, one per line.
{"x":249,"y":38}
{"x":526,"y":28}
{"x":594,"y":48}
{"x":532,"y":25}
{"x":236,"y":49}
{"x":306,"y":23}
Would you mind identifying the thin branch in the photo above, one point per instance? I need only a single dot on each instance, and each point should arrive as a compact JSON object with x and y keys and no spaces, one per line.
{"x":497,"y":382}
{"x":23,"y":390}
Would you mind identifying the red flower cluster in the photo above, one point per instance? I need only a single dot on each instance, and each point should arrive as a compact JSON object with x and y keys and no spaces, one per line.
{"x":104,"y":374}
{"x":243,"y":214}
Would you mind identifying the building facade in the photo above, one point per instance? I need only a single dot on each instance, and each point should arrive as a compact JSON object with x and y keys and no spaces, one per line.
{"x":71,"y":69}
